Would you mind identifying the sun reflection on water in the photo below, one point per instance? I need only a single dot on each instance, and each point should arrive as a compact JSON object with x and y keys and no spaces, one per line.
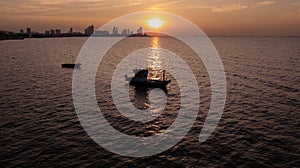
{"x":154,"y":61}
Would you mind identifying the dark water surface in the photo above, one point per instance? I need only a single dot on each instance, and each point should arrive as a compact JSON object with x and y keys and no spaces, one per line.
{"x":260,"y":126}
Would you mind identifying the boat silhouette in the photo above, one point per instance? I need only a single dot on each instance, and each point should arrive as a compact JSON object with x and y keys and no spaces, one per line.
{"x":142,"y":79}
{"x":68,"y":65}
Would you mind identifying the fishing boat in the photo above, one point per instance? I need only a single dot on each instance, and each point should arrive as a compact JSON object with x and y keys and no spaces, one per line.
{"x":68,"y":65}
{"x":148,"y":78}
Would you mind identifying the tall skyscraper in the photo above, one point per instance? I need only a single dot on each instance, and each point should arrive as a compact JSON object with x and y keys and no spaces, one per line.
{"x":71,"y":31}
{"x":115,"y":31}
{"x":57,"y":31}
{"x":52,"y":31}
{"x":28,"y":30}
{"x":140,"y":31}
{"x":125,"y":32}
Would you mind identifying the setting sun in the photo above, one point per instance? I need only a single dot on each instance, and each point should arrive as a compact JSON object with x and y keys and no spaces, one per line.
{"x":155,"y":23}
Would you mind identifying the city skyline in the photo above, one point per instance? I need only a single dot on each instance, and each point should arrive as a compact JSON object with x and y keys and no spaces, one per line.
{"x":219,"y":17}
{"x":87,"y":31}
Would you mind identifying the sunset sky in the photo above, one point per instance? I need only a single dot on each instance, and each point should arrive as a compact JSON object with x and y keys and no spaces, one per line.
{"x":214,"y":17}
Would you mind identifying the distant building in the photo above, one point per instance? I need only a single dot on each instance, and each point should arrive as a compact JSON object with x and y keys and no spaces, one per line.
{"x":28,"y":30}
{"x":89,"y":30}
{"x":140,"y":31}
{"x":57,"y":31}
{"x":21,"y":31}
{"x":52,"y":31}
{"x":101,"y":33}
{"x":71,"y":31}
{"x":47,"y":32}
{"x":125,"y":32}
{"x":115,"y":31}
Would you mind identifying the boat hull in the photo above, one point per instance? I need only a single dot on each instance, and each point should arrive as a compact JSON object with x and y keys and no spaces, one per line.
{"x":74,"y":66}
{"x":150,"y":83}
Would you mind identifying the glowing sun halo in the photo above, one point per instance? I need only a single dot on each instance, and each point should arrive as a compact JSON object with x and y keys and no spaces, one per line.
{"x":155,"y":23}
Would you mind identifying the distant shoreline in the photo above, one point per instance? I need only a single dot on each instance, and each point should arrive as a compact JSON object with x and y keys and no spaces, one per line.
{"x":210,"y":36}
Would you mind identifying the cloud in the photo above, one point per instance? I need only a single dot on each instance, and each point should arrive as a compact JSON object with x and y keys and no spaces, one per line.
{"x":161,"y":5}
{"x":291,"y":16}
{"x":229,"y":8}
{"x":27,"y":7}
{"x":263,"y":3}
{"x":220,"y":9}
{"x":232,"y":7}
{"x":296,"y":4}
{"x":31,"y":7}
{"x":63,"y":7}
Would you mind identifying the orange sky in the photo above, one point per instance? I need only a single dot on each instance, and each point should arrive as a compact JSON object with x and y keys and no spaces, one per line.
{"x":214,"y":17}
